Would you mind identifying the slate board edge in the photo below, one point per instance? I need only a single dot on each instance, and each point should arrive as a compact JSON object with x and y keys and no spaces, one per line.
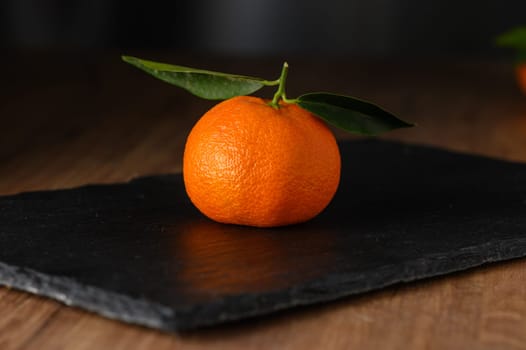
{"x":338,"y":286}
{"x":71,"y":293}
{"x":333,"y":287}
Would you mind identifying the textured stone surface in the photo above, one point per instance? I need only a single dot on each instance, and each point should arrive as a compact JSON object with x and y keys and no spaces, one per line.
{"x":139,"y":252}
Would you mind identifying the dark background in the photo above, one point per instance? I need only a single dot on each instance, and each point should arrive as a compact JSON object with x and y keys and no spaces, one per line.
{"x":356,"y":27}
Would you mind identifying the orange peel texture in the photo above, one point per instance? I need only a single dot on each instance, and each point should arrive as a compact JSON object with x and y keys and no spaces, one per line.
{"x":248,"y":163}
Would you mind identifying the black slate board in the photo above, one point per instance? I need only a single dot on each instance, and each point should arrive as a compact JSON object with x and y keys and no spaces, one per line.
{"x":139,"y":252}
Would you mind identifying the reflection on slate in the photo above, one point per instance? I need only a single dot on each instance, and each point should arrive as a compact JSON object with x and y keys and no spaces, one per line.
{"x":140,"y":252}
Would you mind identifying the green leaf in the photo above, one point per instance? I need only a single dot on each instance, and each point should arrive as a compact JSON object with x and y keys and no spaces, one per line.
{"x":203,"y":83}
{"x":350,"y":114}
{"x":515,"y":38}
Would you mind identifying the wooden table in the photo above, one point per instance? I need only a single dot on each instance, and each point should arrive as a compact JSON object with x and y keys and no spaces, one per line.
{"x":70,"y":119}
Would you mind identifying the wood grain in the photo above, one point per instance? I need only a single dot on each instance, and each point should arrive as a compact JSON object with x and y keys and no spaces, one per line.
{"x":71,"y":119}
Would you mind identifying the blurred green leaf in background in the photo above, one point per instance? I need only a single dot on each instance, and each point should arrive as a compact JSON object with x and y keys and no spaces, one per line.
{"x":515,"y":39}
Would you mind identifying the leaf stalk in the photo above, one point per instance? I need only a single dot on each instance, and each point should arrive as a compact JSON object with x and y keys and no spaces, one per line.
{"x":280,"y":93}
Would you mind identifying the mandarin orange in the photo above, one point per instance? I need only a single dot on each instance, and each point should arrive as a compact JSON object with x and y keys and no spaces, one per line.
{"x":248,"y":163}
